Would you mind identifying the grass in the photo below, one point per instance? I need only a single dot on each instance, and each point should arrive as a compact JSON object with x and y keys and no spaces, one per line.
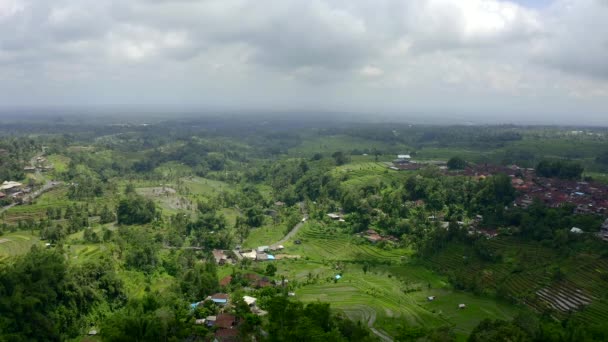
{"x":136,"y":282}
{"x":204,"y":186}
{"x":18,"y":243}
{"x":264,"y":236}
{"x":167,"y":199}
{"x":392,"y":300}
{"x":80,"y":253}
{"x":59,"y":162}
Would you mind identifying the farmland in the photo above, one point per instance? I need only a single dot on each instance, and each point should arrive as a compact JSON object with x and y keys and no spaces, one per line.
{"x":18,"y":243}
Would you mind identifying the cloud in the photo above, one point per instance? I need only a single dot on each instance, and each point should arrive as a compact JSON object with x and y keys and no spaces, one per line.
{"x":576,"y":38}
{"x":471,"y":53}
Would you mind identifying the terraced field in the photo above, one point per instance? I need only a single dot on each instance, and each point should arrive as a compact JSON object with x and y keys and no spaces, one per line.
{"x":326,"y":243}
{"x":526,"y":274}
{"x":18,"y":243}
{"x":82,"y":253}
{"x":386,"y":301}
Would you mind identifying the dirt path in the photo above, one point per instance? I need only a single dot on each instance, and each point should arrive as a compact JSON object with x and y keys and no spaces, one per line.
{"x":370,"y":325}
{"x":295,"y":229}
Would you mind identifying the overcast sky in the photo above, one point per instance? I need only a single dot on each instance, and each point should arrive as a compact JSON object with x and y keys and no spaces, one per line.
{"x":545,"y":60}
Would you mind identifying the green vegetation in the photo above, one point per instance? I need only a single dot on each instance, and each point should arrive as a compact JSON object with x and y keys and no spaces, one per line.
{"x":127,"y":236}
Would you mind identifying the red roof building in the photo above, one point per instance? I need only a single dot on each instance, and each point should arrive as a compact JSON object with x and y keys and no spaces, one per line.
{"x":225,"y":321}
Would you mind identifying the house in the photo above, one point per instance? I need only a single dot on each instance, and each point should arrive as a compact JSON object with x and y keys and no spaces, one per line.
{"x":462,"y":306}
{"x":29,"y":169}
{"x":576,"y":230}
{"x":226,"y":335}
{"x":277,"y":248}
{"x":263,"y":249}
{"x":200,"y":321}
{"x":257,"y":281}
{"x":10,"y":186}
{"x":220,"y":298}
{"x":430,"y":298}
{"x":334,"y":216}
{"x":250,"y":300}
{"x":92,"y":332}
{"x":402,"y":159}
{"x":261,"y":257}
{"x":219,"y":256}
{"x":338,"y":277}
{"x":250,"y":255}
{"x":2,"y":195}
{"x":279,"y":203}
{"x":291,"y":294}
{"x":210,"y":320}
{"x":225,"y":321}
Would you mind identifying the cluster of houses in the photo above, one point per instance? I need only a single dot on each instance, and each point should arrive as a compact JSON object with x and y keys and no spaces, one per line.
{"x":262,"y":253}
{"x":373,"y":236}
{"x":588,"y":197}
{"x":13,"y":190}
{"x":405,"y":162}
{"x":225,"y":324}
{"x":40,"y":164}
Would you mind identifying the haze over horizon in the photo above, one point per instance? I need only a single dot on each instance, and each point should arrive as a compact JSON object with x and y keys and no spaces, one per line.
{"x":523,"y":61}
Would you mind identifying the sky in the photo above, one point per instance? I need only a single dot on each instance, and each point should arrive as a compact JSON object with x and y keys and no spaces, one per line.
{"x":505,"y":61}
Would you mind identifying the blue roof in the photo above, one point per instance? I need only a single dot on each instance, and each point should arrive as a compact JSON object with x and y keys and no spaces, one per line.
{"x":193,"y":305}
{"x":223,"y":301}
{"x":270,"y":257}
{"x":338,"y":276}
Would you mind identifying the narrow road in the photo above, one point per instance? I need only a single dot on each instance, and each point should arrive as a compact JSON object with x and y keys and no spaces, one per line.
{"x":28,"y":198}
{"x":295,"y":229}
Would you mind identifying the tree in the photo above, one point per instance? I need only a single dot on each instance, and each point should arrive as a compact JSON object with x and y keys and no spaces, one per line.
{"x":106,"y":215}
{"x":135,"y":209}
{"x":271,"y":269}
{"x":254,"y":216}
{"x":497,"y":331}
{"x":340,"y":158}
{"x":456,"y":163}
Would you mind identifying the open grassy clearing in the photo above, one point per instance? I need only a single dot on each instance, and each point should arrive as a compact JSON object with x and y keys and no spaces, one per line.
{"x":265,"y":235}
{"x":136,"y":283}
{"x":60,"y":163}
{"x":204,"y":186}
{"x":18,"y":243}
{"x":167,"y":198}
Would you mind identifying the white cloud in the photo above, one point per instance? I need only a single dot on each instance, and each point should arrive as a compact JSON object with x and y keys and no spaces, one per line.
{"x":371,"y":71}
{"x":469,"y":53}
{"x":9,"y":8}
